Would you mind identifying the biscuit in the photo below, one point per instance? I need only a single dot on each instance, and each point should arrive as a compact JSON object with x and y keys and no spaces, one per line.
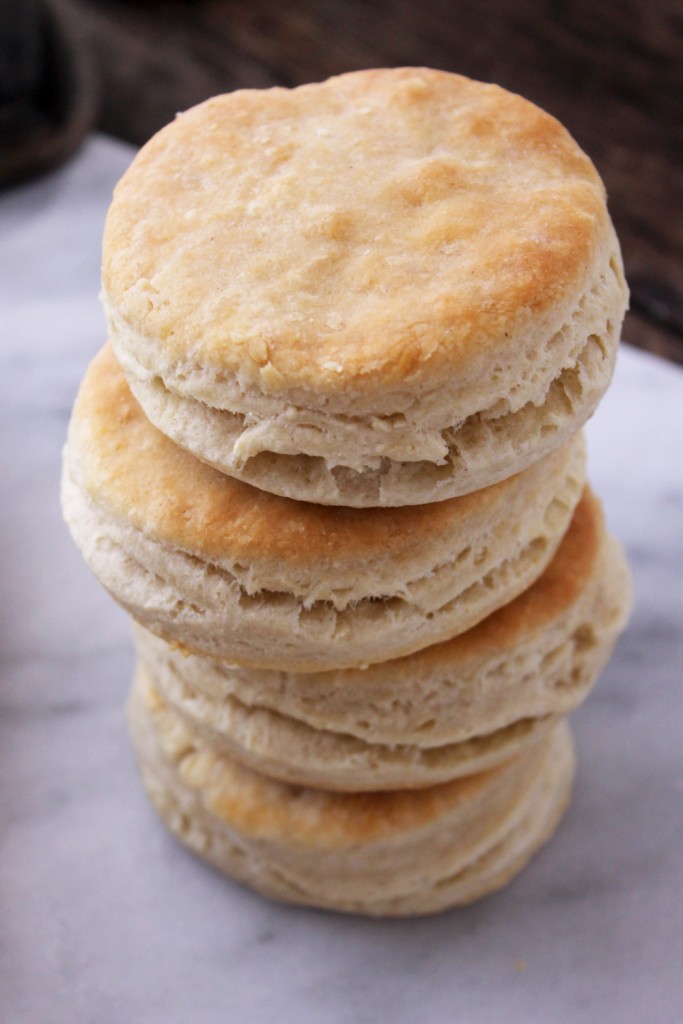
{"x":232,"y":572}
{"x":388,"y":854}
{"x":390,"y":288}
{"x":443,"y":712}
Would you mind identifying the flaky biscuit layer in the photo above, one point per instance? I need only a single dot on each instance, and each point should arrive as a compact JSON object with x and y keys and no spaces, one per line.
{"x":236,"y":573}
{"x":392,"y":853}
{"x":417,"y":452}
{"x":443,"y":712}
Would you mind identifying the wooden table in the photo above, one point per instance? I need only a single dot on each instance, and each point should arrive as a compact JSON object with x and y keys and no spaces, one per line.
{"x":612,"y":73}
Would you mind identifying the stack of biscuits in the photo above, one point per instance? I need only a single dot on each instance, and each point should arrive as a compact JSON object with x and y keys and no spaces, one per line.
{"x":330,"y":461}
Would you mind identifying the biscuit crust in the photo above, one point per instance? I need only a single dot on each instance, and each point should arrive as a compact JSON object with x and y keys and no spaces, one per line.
{"x":391,"y":853}
{"x":390,"y":288}
{"x":381,"y":228}
{"x":443,"y":712}
{"x":233,"y":572}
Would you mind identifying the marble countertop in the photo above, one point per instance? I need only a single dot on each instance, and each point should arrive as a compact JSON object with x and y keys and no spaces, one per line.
{"x":105,"y":920}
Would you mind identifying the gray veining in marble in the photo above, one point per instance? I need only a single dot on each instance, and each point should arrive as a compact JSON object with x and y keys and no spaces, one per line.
{"x":104,"y":920}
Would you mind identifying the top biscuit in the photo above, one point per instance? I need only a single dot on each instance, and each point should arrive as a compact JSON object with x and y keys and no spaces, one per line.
{"x":334,"y":291}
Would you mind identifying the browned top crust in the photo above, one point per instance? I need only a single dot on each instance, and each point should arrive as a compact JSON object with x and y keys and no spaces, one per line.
{"x":379,"y":228}
{"x":127,"y":466}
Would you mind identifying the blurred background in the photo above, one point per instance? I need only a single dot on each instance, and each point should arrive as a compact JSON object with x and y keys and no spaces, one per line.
{"x":612,"y":73}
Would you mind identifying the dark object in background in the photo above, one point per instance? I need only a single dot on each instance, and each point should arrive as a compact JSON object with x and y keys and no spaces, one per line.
{"x":46,"y":93}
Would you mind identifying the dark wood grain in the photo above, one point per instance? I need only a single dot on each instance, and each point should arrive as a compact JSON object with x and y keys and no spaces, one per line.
{"x":613,"y":73}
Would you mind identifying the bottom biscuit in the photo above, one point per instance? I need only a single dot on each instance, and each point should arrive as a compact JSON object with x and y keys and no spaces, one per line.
{"x":386,"y":853}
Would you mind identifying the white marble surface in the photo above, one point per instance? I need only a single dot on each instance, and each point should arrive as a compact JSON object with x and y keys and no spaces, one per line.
{"x":104,"y":920}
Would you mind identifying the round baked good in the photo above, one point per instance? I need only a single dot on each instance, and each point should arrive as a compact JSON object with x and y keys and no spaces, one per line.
{"x":388,"y":854}
{"x":390,"y":288}
{"x":447,"y":711}
{"x":232,"y":572}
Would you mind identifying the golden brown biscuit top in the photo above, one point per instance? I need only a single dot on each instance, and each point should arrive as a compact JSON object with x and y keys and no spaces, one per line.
{"x":380,"y":227}
{"x":128,"y":466}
